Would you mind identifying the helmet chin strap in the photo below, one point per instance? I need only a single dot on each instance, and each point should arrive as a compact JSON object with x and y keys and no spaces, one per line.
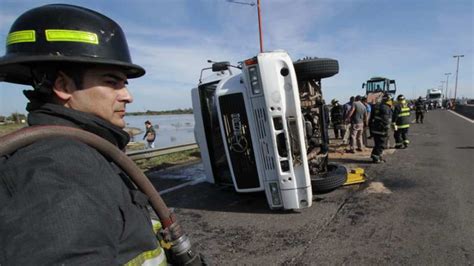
{"x":41,"y":83}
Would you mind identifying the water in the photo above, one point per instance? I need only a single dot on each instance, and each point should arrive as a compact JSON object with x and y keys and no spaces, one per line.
{"x":173,"y":129}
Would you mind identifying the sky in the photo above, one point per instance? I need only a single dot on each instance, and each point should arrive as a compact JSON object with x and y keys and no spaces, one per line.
{"x":410,"y":41}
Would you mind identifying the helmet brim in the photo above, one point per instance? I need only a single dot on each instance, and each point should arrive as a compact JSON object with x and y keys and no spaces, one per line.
{"x":16,"y":69}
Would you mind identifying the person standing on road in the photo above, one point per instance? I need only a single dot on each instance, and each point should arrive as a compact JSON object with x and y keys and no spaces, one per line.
{"x":401,"y":122}
{"x":366,"y":131}
{"x":379,"y":125}
{"x":449,"y":105}
{"x":337,"y":119}
{"x":420,"y":110}
{"x":150,"y":135}
{"x":346,"y":109}
{"x":62,"y":202}
{"x":357,"y":117}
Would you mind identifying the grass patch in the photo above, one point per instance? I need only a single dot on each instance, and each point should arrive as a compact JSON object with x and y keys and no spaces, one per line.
{"x":135,"y":146}
{"x":172,"y":159}
{"x":7,"y":128}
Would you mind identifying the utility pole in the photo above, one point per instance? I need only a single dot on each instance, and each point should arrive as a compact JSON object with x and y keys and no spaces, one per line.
{"x":447,"y":79}
{"x":259,"y":18}
{"x":457,"y":70}
{"x":260,"y":26}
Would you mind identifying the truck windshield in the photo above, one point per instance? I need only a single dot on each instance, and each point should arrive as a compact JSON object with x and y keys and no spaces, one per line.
{"x":434,"y":95}
{"x":215,"y":144}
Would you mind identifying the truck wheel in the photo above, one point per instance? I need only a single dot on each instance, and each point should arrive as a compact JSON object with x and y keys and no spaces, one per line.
{"x":315,"y":68}
{"x":335,"y":177}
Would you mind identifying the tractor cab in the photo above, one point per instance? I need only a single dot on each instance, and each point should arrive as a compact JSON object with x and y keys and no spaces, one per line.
{"x":377,"y":86}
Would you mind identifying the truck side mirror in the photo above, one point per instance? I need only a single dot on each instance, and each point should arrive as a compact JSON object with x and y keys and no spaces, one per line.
{"x":220,"y":66}
{"x":363,"y":85}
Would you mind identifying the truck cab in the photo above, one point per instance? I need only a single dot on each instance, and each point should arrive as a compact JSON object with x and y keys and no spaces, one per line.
{"x":434,"y":98}
{"x":251,"y":132}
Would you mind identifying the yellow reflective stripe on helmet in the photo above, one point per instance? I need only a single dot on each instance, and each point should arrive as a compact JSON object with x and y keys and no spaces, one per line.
{"x":71,"y":36}
{"x":21,"y":36}
{"x":152,"y":257}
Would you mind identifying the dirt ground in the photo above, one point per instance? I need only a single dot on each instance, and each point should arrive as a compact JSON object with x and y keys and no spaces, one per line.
{"x":408,"y":212}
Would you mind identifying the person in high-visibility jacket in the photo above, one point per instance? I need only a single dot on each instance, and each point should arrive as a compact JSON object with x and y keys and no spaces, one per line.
{"x":62,"y":202}
{"x":401,"y":122}
{"x":379,"y":124}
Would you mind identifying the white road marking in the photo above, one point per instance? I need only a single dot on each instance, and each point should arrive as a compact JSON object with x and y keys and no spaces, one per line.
{"x":465,"y":118}
{"x":190,"y":183}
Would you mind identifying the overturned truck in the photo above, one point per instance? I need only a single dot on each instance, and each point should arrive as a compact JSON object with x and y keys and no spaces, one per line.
{"x":262,"y":126}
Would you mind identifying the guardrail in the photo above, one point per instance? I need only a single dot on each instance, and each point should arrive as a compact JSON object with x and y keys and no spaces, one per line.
{"x":150,"y":153}
{"x":465,"y":110}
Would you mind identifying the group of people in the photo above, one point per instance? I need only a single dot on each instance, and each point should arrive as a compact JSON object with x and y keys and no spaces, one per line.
{"x":80,"y":206}
{"x":352,"y":120}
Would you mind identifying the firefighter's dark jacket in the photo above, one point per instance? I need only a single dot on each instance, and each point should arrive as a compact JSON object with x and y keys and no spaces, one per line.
{"x":337,"y":114}
{"x":401,"y":115}
{"x":420,"y":106}
{"x":62,"y":202}
{"x":380,"y":119}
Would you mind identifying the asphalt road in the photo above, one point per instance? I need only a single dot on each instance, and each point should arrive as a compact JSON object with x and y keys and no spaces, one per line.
{"x":416,"y":209}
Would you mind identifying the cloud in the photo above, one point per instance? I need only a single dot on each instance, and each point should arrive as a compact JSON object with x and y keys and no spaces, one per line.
{"x":412,"y":42}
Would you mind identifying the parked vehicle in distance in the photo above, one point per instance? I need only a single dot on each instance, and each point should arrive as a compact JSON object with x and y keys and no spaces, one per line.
{"x":434,"y":98}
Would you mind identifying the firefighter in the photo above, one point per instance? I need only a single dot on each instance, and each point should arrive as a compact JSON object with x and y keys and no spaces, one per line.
{"x":337,"y":119}
{"x":401,"y":122}
{"x":61,"y":201}
{"x":420,"y":110}
{"x":379,"y":124}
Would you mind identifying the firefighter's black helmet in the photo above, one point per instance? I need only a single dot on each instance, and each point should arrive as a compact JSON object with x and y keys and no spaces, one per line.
{"x":60,"y":33}
{"x":400,"y":97}
{"x":386,"y":97}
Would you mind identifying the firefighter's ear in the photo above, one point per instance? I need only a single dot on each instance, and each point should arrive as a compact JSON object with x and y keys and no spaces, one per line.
{"x":63,"y":87}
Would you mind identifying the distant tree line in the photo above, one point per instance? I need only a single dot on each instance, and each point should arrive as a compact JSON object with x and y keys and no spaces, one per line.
{"x":18,"y":117}
{"x":168,"y":112}
{"x":13,"y":118}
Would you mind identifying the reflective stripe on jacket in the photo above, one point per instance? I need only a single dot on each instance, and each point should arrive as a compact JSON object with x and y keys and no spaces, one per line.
{"x":152,"y":257}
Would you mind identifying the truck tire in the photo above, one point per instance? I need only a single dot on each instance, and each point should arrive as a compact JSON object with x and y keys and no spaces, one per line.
{"x":334,"y":178}
{"x":315,"y":68}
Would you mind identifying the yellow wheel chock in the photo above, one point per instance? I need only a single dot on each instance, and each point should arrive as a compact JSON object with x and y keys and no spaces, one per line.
{"x":355,"y":176}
